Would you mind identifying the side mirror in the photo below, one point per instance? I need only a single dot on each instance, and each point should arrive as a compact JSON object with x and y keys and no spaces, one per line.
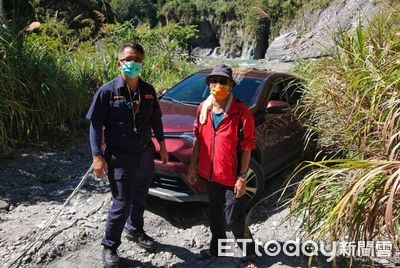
{"x":277,"y":107}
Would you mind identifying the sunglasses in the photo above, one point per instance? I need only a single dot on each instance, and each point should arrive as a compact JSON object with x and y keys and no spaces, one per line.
{"x":221,"y":81}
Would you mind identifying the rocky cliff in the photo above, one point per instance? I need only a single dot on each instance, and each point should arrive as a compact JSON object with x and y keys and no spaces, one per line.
{"x":231,"y":39}
{"x":310,"y":35}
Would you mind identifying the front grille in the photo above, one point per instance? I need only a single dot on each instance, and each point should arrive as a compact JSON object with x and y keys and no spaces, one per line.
{"x":170,"y":183}
{"x":171,"y":157}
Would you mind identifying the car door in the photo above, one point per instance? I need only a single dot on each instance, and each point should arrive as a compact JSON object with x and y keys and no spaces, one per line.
{"x":279,"y":134}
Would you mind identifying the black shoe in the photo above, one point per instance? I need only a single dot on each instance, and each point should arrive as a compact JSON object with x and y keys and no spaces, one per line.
{"x":110,"y":258}
{"x":251,"y":261}
{"x":206,"y":254}
{"x":141,"y":238}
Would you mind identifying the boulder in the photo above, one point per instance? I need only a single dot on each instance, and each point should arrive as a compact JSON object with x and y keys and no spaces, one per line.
{"x":4,"y":205}
{"x":201,"y":52}
{"x":281,"y":46}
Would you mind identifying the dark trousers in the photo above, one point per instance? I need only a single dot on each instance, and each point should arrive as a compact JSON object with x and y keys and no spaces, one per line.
{"x":130,"y":175}
{"x":227,"y":211}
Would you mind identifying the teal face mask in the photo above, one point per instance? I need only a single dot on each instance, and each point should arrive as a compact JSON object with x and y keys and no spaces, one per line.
{"x":131,"y":69}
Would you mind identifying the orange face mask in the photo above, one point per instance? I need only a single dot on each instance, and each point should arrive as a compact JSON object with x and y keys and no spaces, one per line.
{"x":220,"y":92}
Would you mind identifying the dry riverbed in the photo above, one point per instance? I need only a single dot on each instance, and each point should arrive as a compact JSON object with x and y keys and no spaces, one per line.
{"x":36,"y":180}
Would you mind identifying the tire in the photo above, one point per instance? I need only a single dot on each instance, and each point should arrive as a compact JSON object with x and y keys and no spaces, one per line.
{"x":255,"y":182}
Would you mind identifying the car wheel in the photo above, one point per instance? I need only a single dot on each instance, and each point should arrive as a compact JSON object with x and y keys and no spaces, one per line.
{"x":255,"y":182}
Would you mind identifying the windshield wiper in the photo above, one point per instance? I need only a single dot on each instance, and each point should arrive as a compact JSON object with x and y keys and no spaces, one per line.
{"x":178,"y":101}
{"x":191,"y":102}
{"x":170,"y":99}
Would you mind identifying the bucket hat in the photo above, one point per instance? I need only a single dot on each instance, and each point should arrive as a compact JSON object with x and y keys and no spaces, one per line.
{"x":221,"y":70}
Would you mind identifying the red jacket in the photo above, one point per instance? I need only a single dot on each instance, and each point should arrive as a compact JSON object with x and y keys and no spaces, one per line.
{"x":218,"y":159}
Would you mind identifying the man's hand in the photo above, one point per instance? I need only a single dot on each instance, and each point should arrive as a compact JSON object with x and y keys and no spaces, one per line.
{"x":163,"y":153}
{"x":164,"y":156}
{"x":99,"y":166}
{"x":192,"y":175}
{"x":194,"y":162}
{"x":240,"y":187}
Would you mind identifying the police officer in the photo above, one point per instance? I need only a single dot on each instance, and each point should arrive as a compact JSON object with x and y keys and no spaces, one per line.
{"x":122,"y":115}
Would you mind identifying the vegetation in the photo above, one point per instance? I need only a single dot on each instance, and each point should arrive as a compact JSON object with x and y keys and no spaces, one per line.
{"x":352,"y":106}
{"x":249,"y":16}
{"x":49,"y":75}
{"x":137,"y":11}
{"x":36,"y":90}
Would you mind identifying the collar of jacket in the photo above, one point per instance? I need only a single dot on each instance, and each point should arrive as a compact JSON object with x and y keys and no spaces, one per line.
{"x":232,"y":108}
{"x":120,"y":82}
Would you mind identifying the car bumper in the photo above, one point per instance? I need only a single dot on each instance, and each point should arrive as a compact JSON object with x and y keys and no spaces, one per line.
{"x":175,"y":196}
{"x":169,"y":181}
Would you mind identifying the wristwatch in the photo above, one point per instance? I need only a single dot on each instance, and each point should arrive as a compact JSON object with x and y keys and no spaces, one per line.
{"x":242,"y":176}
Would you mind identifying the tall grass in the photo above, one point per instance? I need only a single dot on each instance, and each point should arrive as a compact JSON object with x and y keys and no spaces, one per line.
{"x":350,"y":199}
{"x":352,"y":106}
{"x":37,"y":95}
{"x":48,"y":76}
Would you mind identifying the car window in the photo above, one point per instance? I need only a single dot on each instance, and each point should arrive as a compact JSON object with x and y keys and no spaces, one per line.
{"x":277,"y":91}
{"x":247,"y":90}
{"x":194,"y":90}
{"x":293,"y":90}
{"x":286,"y":89}
{"x":191,"y":90}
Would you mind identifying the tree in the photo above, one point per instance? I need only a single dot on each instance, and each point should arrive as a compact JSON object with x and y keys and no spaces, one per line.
{"x":2,"y":13}
{"x":138,"y":11}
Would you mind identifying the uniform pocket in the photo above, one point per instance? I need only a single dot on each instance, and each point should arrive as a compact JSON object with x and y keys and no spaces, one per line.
{"x":147,"y":102}
{"x":119,"y":104}
{"x":118,"y":159}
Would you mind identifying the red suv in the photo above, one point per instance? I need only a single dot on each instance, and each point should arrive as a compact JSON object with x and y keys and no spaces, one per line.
{"x":270,"y":97}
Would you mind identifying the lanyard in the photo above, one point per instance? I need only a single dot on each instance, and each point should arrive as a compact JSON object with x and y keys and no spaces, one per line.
{"x":134,"y":111}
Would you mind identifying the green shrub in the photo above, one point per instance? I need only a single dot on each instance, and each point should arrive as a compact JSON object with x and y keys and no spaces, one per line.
{"x":138,"y":11}
{"x":49,"y":76}
{"x":352,"y":104}
{"x":166,"y":61}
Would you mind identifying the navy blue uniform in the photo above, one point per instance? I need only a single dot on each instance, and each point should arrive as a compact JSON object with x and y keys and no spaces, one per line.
{"x":129,"y":151}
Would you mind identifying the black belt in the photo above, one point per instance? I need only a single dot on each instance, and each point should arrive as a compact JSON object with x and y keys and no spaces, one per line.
{"x":128,"y":148}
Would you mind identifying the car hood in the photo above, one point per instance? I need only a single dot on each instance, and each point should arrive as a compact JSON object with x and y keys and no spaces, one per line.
{"x":177,"y":117}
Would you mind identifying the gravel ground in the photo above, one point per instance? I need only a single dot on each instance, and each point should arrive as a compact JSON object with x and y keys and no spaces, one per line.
{"x":36,"y":180}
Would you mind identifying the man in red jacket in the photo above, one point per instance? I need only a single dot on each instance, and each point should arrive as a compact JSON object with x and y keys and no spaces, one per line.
{"x":224,"y":138}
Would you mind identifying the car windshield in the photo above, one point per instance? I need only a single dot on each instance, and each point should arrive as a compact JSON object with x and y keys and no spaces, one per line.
{"x":194,"y":90}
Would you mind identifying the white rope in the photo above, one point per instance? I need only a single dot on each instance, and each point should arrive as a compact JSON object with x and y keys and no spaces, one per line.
{"x":39,"y":235}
